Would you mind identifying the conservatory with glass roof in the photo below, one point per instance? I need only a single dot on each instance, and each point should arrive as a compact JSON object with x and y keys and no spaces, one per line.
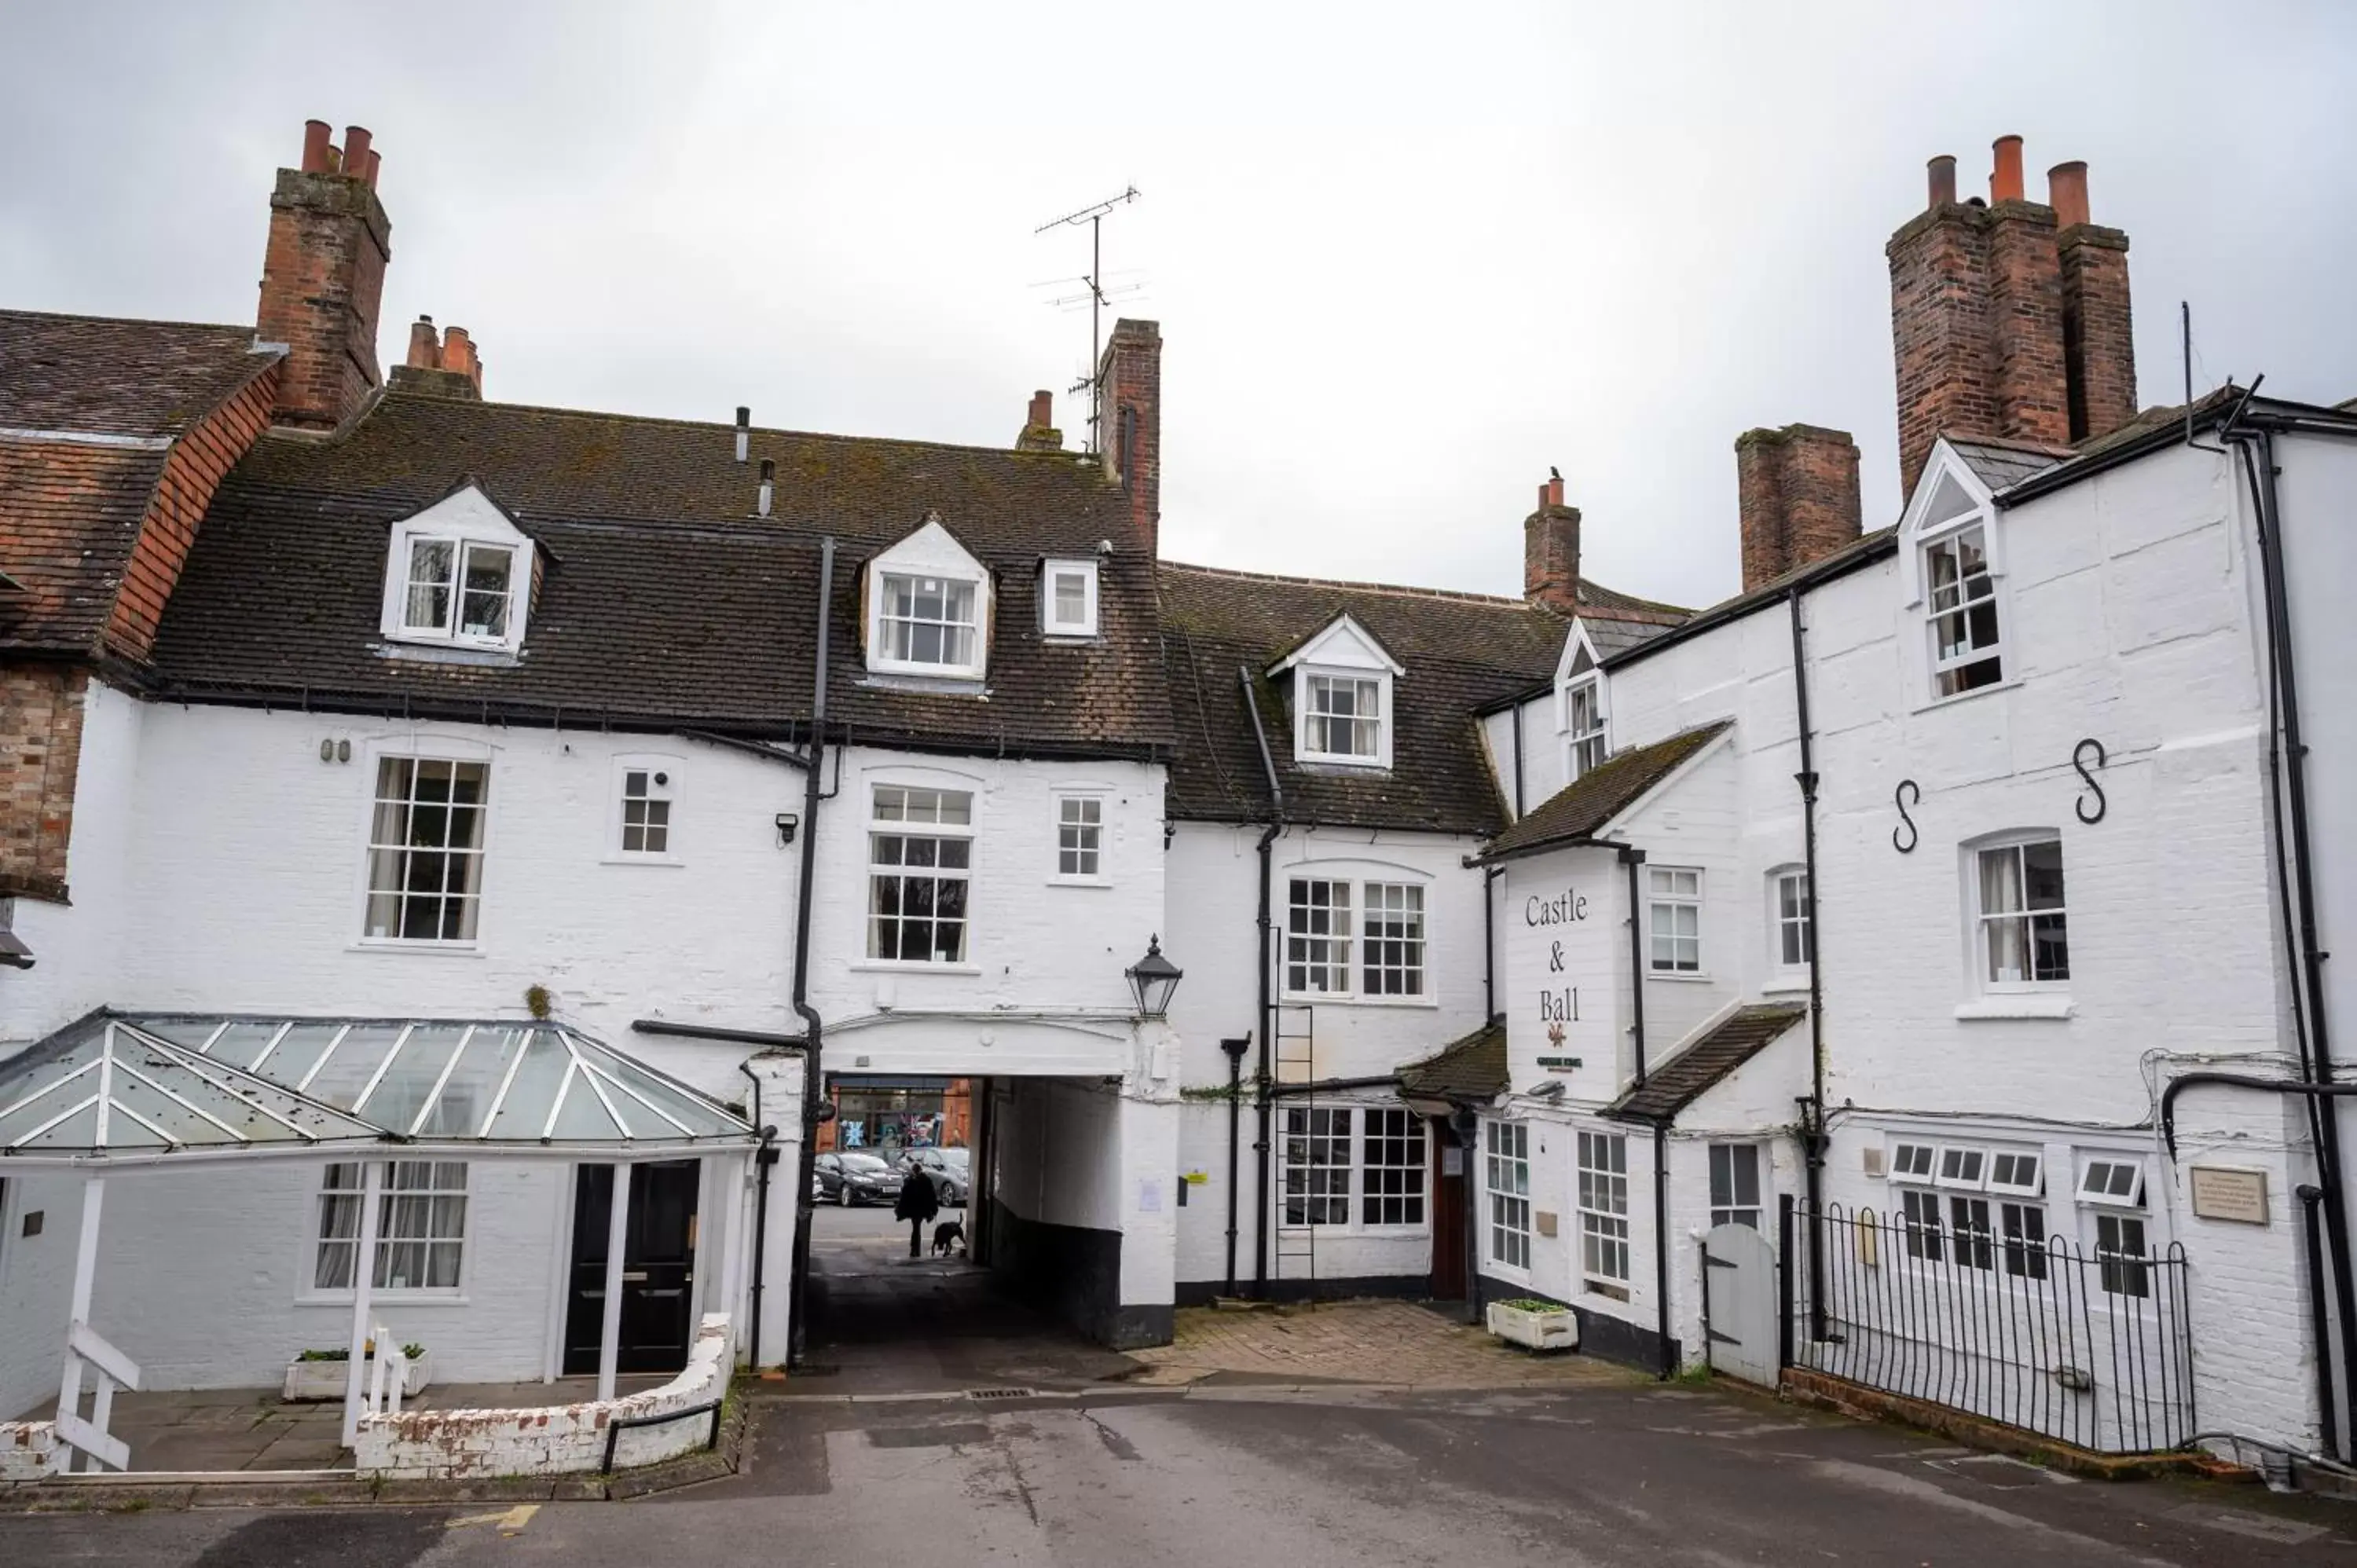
{"x":532,"y":1202}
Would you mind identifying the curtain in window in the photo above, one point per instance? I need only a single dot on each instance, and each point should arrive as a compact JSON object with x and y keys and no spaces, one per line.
{"x":2001,"y":894}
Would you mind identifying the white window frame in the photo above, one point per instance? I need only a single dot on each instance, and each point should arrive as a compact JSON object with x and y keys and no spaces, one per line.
{"x":939,"y":832}
{"x":1386,"y":930}
{"x":2018,"y":845}
{"x":2099,"y":1174}
{"x":1506,"y":1198}
{"x":1339,"y":938}
{"x":2020,"y":1254}
{"x":455,"y":756}
{"x":1787,"y":921}
{"x":1074,"y":837}
{"x":2014,"y":1173}
{"x":665,"y":793}
{"x":1661,"y":895}
{"x":880,"y":621}
{"x":1587,"y":744}
{"x":1347,"y":1188}
{"x":1310,"y":680}
{"x":430,"y":1194}
{"x":1050,"y":623}
{"x":1906,"y":1153}
{"x":1600,"y":1173}
{"x":2124,"y":1265}
{"x":1956,"y":600}
{"x":1963,"y":1167}
{"x":463,"y":542}
{"x":1726,"y":1205}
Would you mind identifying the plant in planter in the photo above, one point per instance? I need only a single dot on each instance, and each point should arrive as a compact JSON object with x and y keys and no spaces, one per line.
{"x":321,"y":1374}
{"x":1534,"y":1323}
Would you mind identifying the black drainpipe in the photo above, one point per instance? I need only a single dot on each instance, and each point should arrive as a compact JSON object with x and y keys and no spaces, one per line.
{"x":1634,"y":859}
{"x":2309,"y":1196}
{"x":1235,"y":1048}
{"x":1812,"y":1119}
{"x":1267,"y":978}
{"x":813,"y":1077}
{"x":1490,"y":1011}
{"x":2288,"y":751}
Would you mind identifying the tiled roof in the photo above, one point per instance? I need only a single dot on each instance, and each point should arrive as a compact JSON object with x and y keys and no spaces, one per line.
{"x":68,"y":516}
{"x":1676,"y":1083}
{"x":89,"y":410}
{"x":1472,"y":1068}
{"x":1589,"y":802}
{"x":1459,"y":650}
{"x":669,"y":601}
{"x":102,"y":376}
{"x":1998,"y":464}
{"x":1610,"y":633}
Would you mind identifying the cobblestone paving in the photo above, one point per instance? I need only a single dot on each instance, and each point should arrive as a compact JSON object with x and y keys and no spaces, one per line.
{"x":1388,"y":1342}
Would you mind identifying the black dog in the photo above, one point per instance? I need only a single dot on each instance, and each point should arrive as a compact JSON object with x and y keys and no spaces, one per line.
{"x":948,"y":1235}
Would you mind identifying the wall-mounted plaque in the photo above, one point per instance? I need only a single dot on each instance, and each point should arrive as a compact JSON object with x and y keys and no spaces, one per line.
{"x":2222,"y":1193}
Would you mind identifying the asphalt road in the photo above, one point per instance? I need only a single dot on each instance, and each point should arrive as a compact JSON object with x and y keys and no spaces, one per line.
{"x":1244,"y":1475}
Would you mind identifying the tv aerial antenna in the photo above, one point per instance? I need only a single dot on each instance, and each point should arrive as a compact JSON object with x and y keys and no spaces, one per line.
{"x":1096,"y":293}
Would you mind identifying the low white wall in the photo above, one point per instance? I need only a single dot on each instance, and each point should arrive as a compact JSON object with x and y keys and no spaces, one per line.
{"x":551,"y":1440}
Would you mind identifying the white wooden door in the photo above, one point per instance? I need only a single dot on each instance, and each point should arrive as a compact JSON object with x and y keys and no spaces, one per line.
{"x":1739,"y":1273}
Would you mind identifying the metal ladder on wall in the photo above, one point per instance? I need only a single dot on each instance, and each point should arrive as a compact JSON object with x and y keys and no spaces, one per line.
{"x":1295,"y":1255}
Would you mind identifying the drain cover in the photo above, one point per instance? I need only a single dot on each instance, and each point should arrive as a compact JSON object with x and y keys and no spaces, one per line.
{"x":998,"y":1393}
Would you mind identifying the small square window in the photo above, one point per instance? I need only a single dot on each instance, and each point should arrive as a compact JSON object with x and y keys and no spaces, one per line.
{"x":1912,"y":1162}
{"x":646,"y":802}
{"x":1342,"y":718}
{"x":1962,"y":1167}
{"x":1068,"y":598}
{"x":2017,"y":1174}
{"x":2117,"y":1183}
{"x":1080,"y":836}
{"x":460,"y":589}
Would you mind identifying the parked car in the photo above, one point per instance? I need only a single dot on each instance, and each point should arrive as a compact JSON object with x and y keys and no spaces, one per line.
{"x":951,"y":1170}
{"x":854,"y":1176}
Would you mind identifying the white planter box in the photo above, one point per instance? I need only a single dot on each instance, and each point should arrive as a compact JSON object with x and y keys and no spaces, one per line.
{"x":1554,"y":1330}
{"x":326,"y":1379}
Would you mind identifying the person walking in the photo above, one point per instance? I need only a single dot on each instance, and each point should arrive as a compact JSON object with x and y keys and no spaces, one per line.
{"x":917,"y":1204}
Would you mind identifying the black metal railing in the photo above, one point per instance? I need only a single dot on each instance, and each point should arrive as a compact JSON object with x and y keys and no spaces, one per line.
{"x":2090,"y":1345}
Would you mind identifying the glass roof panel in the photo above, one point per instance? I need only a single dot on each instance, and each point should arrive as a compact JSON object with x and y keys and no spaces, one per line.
{"x":523,"y":1108}
{"x":187,"y":1083}
{"x":408,"y":1080}
{"x":343,"y":1074}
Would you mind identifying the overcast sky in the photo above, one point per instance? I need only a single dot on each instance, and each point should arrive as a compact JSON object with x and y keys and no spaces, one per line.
{"x":1405,"y":257}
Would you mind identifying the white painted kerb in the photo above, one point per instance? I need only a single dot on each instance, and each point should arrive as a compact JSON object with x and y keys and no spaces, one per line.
{"x":551,"y":1440}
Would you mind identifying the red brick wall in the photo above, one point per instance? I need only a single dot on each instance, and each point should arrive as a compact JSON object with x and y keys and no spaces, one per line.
{"x":2025,"y":319}
{"x":199,"y":459}
{"x":1939,"y":331}
{"x":1551,"y":555}
{"x":2098,"y":338}
{"x":1131,"y":436}
{"x":322,"y":276}
{"x":1797,"y":497}
{"x":40,"y":751}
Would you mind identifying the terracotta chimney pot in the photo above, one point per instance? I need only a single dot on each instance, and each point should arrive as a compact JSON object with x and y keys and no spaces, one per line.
{"x":1944,"y":181}
{"x":2004,"y":179}
{"x":2066,"y":192}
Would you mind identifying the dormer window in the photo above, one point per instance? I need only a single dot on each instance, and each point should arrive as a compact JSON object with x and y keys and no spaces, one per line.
{"x":1343,"y":683}
{"x":1583,"y":712}
{"x":459,"y":575}
{"x":1954,"y":565}
{"x":929,"y":622}
{"x":928,"y":607}
{"x":1068,"y":598}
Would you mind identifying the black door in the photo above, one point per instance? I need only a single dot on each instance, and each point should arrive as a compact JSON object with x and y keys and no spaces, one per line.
{"x":658,"y":1268}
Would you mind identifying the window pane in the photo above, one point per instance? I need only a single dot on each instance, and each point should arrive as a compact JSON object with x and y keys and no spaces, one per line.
{"x":430,"y":566}
{"x":484,"y":612}
{"x":1071,"y":598}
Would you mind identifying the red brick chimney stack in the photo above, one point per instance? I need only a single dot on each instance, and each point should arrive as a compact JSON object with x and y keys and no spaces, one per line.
{"x":1039,"y":432}
{"x":2098,"y":331}
{"x":443,"y":366}
{"x":322,"y":277}
{"x":1797,"y":495}
{"x":1129,"y":436}
{"x":1551,"y":550}
{"x":2007,"y":320}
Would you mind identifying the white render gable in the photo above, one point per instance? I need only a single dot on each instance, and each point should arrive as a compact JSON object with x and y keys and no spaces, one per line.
{"x":928,"y":610}
{"x":459,"y":575}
